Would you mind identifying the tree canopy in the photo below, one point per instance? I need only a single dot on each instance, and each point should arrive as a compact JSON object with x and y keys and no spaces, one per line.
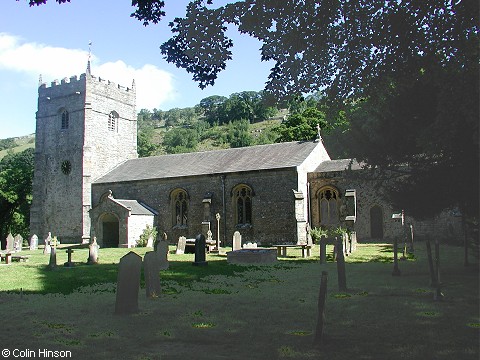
{"x":405,"y":73}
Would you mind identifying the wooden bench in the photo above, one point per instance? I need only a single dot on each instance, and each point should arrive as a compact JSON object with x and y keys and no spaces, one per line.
{"x":11,"y":257}
{"x":282,"y":249}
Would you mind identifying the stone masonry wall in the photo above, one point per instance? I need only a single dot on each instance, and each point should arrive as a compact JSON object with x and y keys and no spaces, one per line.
{"x":273,"y":204}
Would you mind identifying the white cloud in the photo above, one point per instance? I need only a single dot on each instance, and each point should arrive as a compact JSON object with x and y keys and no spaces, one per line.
{"x":154,"y":86}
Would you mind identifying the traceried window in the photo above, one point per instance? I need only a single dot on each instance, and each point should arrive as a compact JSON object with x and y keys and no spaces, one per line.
{"x":328,"y":202}
{"x":113,"y":121}
{"x":179,"y":198}
{"x":65,"y":120}
{"x":242,"y":200}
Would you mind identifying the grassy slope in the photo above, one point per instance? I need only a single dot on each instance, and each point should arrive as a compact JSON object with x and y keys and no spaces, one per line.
{"x":237,"y":312}
{"x":23,"y":143}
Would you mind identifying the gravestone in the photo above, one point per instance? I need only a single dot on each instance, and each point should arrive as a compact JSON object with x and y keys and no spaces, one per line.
{"x":34,"y":242}
{"x":396,"y":270}
{"x":128,"y":284}
{"x":151,"y":268}
{"x":93,"y":252}
{"x":200,"y":251}
{"x":321,"y":309}
{"x":10,"y":243}
{"x":18,"y":242}
{"x":182,"y":240}
{"x":53,"y":257}
{"x":161,"y":250}
{"x":237,"y":241}
{"x":341,"y":274}
{"x":250,"y":245}
{"x":69,"y":262}
{"x":46,"y":249}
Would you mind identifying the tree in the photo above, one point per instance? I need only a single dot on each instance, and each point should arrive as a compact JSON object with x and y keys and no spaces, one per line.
{"x":16,"y":175}
{"x":302,"y":126}
{"x":351,"y":50}
{"x":180,"y":140}
{"x":238,"y":134}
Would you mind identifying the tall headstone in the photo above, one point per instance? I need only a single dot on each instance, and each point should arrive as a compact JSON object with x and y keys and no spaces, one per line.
{"x":151,"y":266}
{"x":161,"y":250}
{"x":128,"y":284}
{"x":342,"y":277}
{"x":48,"y":239}
{"x":200,"y":250}
{"x":53,"y":257}
{"x":93,"y":252}
{"x":18,"y":242}
{"x":34,"y":242}
{"x":237,"y":241}
{"x":10,"y":243}
{"x":182,"y":241}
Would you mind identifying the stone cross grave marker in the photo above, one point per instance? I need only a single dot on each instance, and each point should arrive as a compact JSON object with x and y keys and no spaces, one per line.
{"x":93,"y":252}
{"x":182,"y":240}
{"x":18,"y":242}
{"x":151,"y":266}
{"x":10,"y":243}
{"x":128,"y":284}
{"x":237,"y":241}
{"x":34,"y":242}
{"x":69,"y":262}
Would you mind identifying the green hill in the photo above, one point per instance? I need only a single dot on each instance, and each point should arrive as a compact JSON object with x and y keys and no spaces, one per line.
{"x":16,"y":144}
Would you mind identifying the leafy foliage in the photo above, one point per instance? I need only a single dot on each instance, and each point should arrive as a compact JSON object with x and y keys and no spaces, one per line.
{"x":302,"y":126}
{"x":16,"y":175}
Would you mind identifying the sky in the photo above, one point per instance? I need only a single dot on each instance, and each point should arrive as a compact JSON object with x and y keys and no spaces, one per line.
{"x":52,"y":41}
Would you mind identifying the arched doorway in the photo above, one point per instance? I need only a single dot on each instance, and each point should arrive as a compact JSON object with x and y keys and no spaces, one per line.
{"x":376,"y":222}
{"x":110,"y":230}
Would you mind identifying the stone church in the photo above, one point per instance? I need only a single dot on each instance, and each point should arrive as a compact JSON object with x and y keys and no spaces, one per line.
{"x":89,"y":181}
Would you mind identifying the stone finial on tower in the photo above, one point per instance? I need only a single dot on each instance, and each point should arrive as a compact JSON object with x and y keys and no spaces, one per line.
{"x":133,"y":84}
{"x":89,"y":72}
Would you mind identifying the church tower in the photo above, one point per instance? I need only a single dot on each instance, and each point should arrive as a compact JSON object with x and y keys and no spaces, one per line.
{"x":84,"y":128}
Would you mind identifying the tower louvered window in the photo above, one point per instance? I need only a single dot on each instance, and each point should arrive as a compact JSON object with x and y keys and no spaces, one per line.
{"x":65,"y":120}
{"x":112,"y":121}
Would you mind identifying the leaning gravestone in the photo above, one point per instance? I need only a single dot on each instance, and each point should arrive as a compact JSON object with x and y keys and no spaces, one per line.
{"x":93,"y":252}
{"x":10,"y":243}
{"x":151,"y":266}
{"x":18,"y":242}
{"x":200,"y":251}
{"x":128,"y":284}
{"x":34,"y":242}
{"x":237,"y":241}
{"x":182,"y":241}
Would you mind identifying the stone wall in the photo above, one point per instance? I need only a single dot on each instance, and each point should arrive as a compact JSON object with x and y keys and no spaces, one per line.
{"x":62,"y":199}
{"x":273,"y":204}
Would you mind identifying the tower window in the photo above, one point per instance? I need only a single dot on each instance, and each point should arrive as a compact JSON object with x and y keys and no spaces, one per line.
{"x":113,"y":121}
{"x":65,"y":120}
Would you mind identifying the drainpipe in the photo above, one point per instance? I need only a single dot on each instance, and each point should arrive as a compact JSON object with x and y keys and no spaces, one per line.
{"x":224,"y":211}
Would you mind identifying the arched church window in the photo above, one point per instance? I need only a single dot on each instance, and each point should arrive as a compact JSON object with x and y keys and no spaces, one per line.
{"x":65,"y":120}
{"x":328,"y":203}
{"x":242,"y":200}
{"x":113,"y":121}
{"x":179,"y":198}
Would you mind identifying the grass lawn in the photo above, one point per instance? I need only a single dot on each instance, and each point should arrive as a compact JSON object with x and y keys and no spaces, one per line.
{"x":224,"y":311}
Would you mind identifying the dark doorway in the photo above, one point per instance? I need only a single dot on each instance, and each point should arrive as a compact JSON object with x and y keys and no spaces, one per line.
{"x":376,"y":222}
{"x":110,"y":231}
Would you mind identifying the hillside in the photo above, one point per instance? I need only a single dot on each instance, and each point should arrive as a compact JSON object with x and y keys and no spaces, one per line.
{"x":16,"y":144}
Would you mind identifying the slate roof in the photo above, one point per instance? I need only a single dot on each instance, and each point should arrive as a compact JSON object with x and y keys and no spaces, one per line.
{"x":137,"y":208}
{"x":337,"y":165}
{"x":260,"y":157}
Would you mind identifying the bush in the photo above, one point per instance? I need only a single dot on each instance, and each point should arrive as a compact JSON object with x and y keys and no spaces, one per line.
{"x":148,"y":232}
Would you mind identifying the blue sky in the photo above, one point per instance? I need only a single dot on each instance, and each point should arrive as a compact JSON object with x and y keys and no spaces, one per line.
{"x":52,"y":41}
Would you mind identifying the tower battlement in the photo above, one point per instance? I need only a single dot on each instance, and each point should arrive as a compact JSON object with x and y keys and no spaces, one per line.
{"x":74,"y":80}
